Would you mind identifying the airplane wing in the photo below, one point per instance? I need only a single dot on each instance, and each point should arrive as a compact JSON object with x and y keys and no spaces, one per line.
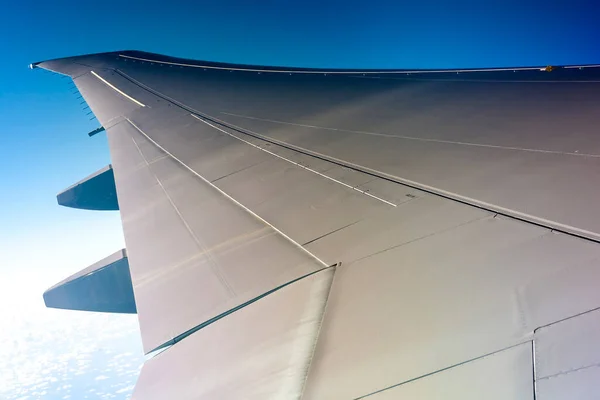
{"x":346,"y":234}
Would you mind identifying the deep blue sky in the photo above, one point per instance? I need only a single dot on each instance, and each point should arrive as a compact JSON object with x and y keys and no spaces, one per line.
{"x":42,"y":127}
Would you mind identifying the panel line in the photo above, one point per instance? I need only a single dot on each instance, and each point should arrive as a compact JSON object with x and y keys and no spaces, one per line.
{"x":212,"y":262}
{"x":534,"y":368}
{"x":570,"y":371}
{"x":214,"y":319}
{"x":388,"y":135}
{"x":297,"y":164}
{"x":442,"y":370}
{"x":228,"y":196}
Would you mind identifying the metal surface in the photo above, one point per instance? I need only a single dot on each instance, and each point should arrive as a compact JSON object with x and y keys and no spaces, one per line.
{"x":567,"y":359}
{"x":103,"y":287}
{"x":245,"y":355}
{"x":444,"y":298}
{"x":193,"y":253}
{"x":480,"y":139}
{"x":95,"y":192}
{"x":499,"y":376}
{"x":460,"y":205}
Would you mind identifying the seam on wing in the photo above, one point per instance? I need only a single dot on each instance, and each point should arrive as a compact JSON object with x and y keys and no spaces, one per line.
{"x":442,"y":370}
{"x":566,"y":318}
{"x":212,"y":262}
{"x":570,"y":371}
{"x":366,"y":193}
{"x":475,"y":219}
{"x":323,"y":263}
{"x":534,"y":366}
{"x":204,"y":324}
{"x":419,"y":139}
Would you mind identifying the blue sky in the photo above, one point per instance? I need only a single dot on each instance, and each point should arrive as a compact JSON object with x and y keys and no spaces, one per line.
{"x":45,"y":147}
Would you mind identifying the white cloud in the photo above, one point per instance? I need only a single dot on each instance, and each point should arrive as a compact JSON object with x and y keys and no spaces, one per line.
{"x":125,"y":389}
{"x":62,"y":353}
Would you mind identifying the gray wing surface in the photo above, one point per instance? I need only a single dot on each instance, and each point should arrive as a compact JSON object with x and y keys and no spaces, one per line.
{"x":335,"y":234}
